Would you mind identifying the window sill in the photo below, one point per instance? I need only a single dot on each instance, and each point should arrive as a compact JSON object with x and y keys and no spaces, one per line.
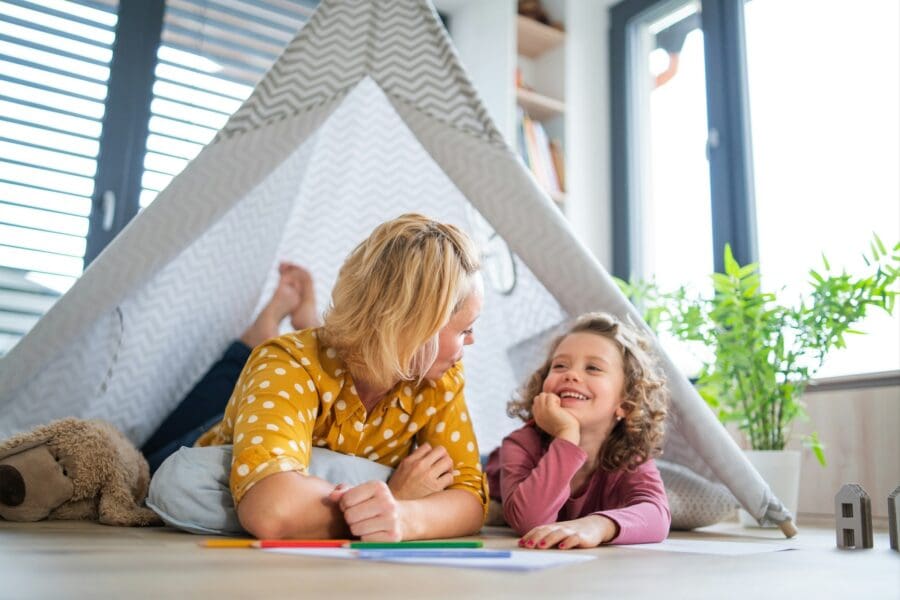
{"x":855,"y":382}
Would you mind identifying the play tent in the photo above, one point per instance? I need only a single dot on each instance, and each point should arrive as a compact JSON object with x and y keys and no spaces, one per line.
{"x":366,"y":115}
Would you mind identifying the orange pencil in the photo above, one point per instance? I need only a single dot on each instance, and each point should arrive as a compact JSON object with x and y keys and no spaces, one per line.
{"x":228,"y":543}
{"x":300,"y":543}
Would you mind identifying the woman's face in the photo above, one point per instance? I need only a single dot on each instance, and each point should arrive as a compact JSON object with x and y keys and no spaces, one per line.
{"x":456,"y":334}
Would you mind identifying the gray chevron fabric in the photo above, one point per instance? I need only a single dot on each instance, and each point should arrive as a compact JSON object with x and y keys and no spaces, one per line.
{"x":368,"y":114}
{"x":401,"y":45}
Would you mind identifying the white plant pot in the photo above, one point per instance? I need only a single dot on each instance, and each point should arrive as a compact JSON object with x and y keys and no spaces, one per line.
{"x":781,"y":470}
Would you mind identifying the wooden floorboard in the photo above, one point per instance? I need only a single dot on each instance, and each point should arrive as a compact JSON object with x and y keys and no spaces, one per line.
{"x":85,"y":560}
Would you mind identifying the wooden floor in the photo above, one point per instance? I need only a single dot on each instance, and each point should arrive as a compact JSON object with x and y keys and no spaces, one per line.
{"x":84,"y":560}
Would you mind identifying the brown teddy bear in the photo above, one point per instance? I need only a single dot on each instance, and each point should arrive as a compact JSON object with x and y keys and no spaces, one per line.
{"x":74,"y":469}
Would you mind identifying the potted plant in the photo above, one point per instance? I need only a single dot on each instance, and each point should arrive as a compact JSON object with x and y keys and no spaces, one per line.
{"x":764,"y":351}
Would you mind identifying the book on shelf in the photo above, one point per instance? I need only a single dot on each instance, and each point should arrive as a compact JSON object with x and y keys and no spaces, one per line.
{"x":539,"y":155}
{"x":559,"y":163}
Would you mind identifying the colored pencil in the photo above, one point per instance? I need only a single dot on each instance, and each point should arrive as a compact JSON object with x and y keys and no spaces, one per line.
{"x":432,"y":553}
{"x":413,"y":544}
{"x":300,"y":543}
{"x":228,"y":543}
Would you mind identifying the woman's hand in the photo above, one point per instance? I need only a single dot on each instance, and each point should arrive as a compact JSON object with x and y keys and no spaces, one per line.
{"x":586,"y":532}
{"x":371,"y":511}
{"x":425,"y":471}
{"x":554,"y":419}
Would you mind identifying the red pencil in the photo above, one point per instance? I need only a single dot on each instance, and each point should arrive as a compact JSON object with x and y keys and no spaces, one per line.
{"x":300,"y":543}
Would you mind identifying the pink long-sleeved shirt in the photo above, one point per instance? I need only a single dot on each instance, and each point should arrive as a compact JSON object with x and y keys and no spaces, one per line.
{"x":534,"y":477}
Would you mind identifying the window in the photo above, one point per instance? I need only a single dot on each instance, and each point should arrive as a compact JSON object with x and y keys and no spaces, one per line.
{"x":673,"y":194}
{"x":211,"y":57}
{"x":802,"y":144}
{"x":826,"y":149}
{"x":97,"y":115}
{"x":54,"y":69}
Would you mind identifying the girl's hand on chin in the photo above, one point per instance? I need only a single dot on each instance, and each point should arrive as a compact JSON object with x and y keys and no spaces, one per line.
{"x":554,"y":419}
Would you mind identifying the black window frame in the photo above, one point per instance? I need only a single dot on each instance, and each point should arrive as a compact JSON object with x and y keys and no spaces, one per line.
{"x":123,"y":137}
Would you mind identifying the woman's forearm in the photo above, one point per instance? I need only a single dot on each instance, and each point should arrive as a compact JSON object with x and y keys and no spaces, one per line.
{"x":450,"y":513}
{"x":291,"y":505}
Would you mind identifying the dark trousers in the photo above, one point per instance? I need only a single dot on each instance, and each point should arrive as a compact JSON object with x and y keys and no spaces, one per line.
{"x":202,"y":408}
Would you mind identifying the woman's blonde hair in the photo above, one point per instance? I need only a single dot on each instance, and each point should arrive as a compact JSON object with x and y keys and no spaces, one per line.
{"x":639,"y":435}
{"x":394,"y":293}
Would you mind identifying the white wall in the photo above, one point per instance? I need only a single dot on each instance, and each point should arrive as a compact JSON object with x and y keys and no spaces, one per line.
{"x":588,"y":200}
{"x":485,"y":37}
{"x":484,"y":33}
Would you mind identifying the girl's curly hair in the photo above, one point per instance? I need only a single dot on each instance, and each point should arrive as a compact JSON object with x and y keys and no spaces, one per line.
{"x":637,"y":437}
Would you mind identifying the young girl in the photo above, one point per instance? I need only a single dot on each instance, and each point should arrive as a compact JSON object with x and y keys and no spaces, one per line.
{"x":580,"y":472}
{"x":380,"y":377}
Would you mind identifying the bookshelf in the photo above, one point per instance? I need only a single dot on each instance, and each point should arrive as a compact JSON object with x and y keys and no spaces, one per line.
{"x":539,"y":95}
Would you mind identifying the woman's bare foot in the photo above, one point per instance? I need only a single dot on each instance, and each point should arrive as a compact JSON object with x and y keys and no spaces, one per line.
{"x":286,"y":298}
{"x":304,"y":314}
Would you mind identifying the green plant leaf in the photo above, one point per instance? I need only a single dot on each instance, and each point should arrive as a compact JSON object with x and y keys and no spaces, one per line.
{"x":731,"y":266}
{"x":813,"y":443}
{"x":762,"y":350}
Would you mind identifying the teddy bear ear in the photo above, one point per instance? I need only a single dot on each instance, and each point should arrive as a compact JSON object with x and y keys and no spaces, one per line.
{"x":24,"y":441}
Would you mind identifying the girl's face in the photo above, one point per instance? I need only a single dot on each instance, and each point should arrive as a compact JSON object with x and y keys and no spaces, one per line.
{"x":587,"y":374}
{"x":455,"y":335}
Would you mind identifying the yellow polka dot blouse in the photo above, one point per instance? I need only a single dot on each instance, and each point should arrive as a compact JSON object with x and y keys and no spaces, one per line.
{"x":294,"y":393}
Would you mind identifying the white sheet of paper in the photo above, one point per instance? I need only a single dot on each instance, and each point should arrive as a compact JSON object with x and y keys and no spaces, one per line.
{"x":520,"y":560}
{"x":721,"y":548}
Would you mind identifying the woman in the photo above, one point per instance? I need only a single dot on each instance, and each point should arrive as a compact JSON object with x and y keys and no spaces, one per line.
{"x":381,"y":377}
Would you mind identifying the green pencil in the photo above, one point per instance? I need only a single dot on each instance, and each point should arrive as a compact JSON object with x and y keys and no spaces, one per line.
{"x":422,"y":544}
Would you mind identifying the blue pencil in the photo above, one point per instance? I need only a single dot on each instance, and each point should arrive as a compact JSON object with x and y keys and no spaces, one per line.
{"x":432,"y":553}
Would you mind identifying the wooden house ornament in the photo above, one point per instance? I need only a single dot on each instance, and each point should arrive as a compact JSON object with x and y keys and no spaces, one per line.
{"x":894,"y":518}
{"x":853,"y":517}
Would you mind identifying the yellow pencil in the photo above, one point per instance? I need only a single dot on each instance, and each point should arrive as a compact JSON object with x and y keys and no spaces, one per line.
{"x":228,"y":543}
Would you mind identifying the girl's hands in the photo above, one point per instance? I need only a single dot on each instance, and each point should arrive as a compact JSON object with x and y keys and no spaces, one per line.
{"x":425,"y":471}
{"x":371,"y":511}
{"x":554,"y":419}
{"x":586,"y":532}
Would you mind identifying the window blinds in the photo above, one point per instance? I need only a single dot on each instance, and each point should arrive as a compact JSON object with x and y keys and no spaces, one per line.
{"x":212,"y":55}
{"x":54,"y":67}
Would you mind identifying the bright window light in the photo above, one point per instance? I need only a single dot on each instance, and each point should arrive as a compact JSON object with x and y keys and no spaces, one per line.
{"x":57,"y":42}
{"x":50,"y":139}
{"x":101,"y":35}
{"x":824,"y":94}
{"x":42,"y":219}
{"x":30,"y":260}
{"x":171,"y":146}
{"x":57,"y":283}
{"x":678,"y":173}
{"x":48,"y":158}
{"x":48,"y":118}
{"x":189,"y":95}
{"x":53,"y":180}
{"x":146,"y":197}
{"x":42,"y":240}
{"x":155,"y":181}
{"x":29,"y":196}
{"x":53,"y":80}
{"x":53,"y":60}
{"x":206,"y":82}
{"x":183,"y":112}
{"x":164,"y":164}
{"x":188,"y":59}
{"x":71,"y":104}
{"x":673,"y":17}
{"x":87,"y":13}
{"x":194,"y":133}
